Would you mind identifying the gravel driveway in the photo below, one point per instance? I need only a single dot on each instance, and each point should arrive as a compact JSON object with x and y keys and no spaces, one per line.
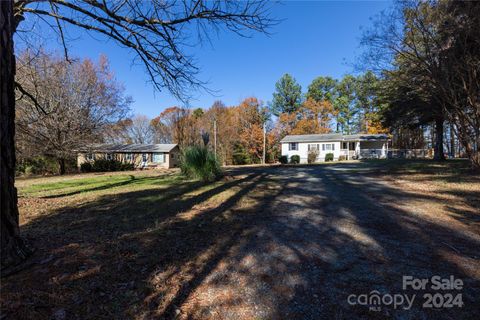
{"x":285,"y":242}
{"x":321,"y":234}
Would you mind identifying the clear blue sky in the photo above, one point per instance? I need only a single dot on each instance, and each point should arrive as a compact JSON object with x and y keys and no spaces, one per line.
{"x":316,"y":38}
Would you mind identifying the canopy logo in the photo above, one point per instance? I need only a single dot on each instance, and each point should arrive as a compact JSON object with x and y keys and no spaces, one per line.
{"x":447,"y":298}
{"x":374,"y":300}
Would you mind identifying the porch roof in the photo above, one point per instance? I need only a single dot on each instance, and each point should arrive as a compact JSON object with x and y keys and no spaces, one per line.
{"x":365,"y":137}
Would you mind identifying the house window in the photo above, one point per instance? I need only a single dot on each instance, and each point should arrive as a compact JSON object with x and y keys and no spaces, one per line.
{"x":313,"y":147}
{"x":328,"y":146}
{"x":128,"y":157}
{"x":109,"y":156}
{"x":158,"y":158}
{"x":90,"y":157}
{"x":293,"y":146}
{"x":144,"y":157}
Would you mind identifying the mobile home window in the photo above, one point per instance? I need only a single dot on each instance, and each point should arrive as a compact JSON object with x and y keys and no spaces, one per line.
{"x":158,"y":157}
{"x":90,"y":156}
{"x":293,"y":146}
{"x":313,"y":147}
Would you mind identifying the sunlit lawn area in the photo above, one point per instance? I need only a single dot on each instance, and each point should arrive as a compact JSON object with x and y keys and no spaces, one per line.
{"x":262,"y":242}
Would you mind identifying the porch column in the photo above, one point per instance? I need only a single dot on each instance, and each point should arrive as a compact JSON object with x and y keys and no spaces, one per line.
{"x":384,"y":155}
{"x":357,"y":149}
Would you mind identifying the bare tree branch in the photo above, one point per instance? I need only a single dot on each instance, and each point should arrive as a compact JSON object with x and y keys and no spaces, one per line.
{"x":158,"y":32}
{"x":24,"y":92}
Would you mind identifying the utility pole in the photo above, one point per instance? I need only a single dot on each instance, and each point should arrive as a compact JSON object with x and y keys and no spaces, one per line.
{"x":264,"y":142}
{"x":215,"y":136}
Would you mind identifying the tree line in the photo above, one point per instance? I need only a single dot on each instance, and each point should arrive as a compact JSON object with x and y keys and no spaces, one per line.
{"x":82,"y":103}
{"x":421,"y":87}
{"x":427,"y":54}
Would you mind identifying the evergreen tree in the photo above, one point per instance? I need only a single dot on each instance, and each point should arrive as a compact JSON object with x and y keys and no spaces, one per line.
{"x":322,"y":89}
{"x":287,"y":97}
{"x":345,"y":104}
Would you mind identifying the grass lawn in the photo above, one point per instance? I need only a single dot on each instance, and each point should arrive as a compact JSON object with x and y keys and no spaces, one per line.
{"x":261,"y":243}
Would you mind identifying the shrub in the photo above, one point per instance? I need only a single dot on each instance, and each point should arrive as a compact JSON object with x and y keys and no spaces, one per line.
{"x":283,"y":159}
{"x":127,"y":166}
{"x":312,"y":156}
{"x":36,"y":166}
{"x":342,"y":158}
{"x":103,"y":165}
{"x":199,"y":162}
{"x":295,"y":159}
{"x":329,"y":157}
{"x":240,"y":155}
{"x":86,"y":167}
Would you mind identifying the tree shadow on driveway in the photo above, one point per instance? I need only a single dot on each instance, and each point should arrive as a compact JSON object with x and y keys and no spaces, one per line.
{"x":273,"y":243}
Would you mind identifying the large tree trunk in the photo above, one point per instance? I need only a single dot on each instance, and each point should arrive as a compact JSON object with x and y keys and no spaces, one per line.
{"x":438,"y":147}
{"x":452,"y":141}
{"x":61,"y":163}
{"x":475,"y":154}
{"x":13,"y":249}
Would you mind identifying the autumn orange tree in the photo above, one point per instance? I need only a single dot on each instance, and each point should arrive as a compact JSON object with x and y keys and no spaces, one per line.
{"x":226,"y":119}
{"x":252,"y":119}
{"x":177,"y":125}
{"x":314,"y":117}
{"x":239,"y":136}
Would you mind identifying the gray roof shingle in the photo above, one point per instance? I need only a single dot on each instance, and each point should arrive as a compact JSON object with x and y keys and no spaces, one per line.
{"x":128,"y":148}
{"x":312,"y":137}
{"x":365,"y":137}
{"x":333,"y":137}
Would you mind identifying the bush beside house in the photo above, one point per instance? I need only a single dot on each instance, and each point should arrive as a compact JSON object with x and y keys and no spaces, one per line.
{"x":312,"y":156}
{"x":103,"y":165}
{"x":295,"y":159}
{"x":283,"y":159}
{"x":329,"y":157}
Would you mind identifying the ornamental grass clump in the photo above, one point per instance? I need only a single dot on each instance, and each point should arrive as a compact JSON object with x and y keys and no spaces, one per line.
{"x":200,"y":163}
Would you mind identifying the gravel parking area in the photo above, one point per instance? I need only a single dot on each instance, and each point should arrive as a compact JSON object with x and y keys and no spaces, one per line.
{"x":281,"y":242}
{"x":327,"y":233}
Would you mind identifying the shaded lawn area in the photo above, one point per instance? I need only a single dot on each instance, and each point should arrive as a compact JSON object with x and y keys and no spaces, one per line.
{"x":262,"y":243}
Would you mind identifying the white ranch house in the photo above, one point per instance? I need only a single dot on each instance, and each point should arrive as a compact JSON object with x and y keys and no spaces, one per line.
{"x":353,"y":146}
